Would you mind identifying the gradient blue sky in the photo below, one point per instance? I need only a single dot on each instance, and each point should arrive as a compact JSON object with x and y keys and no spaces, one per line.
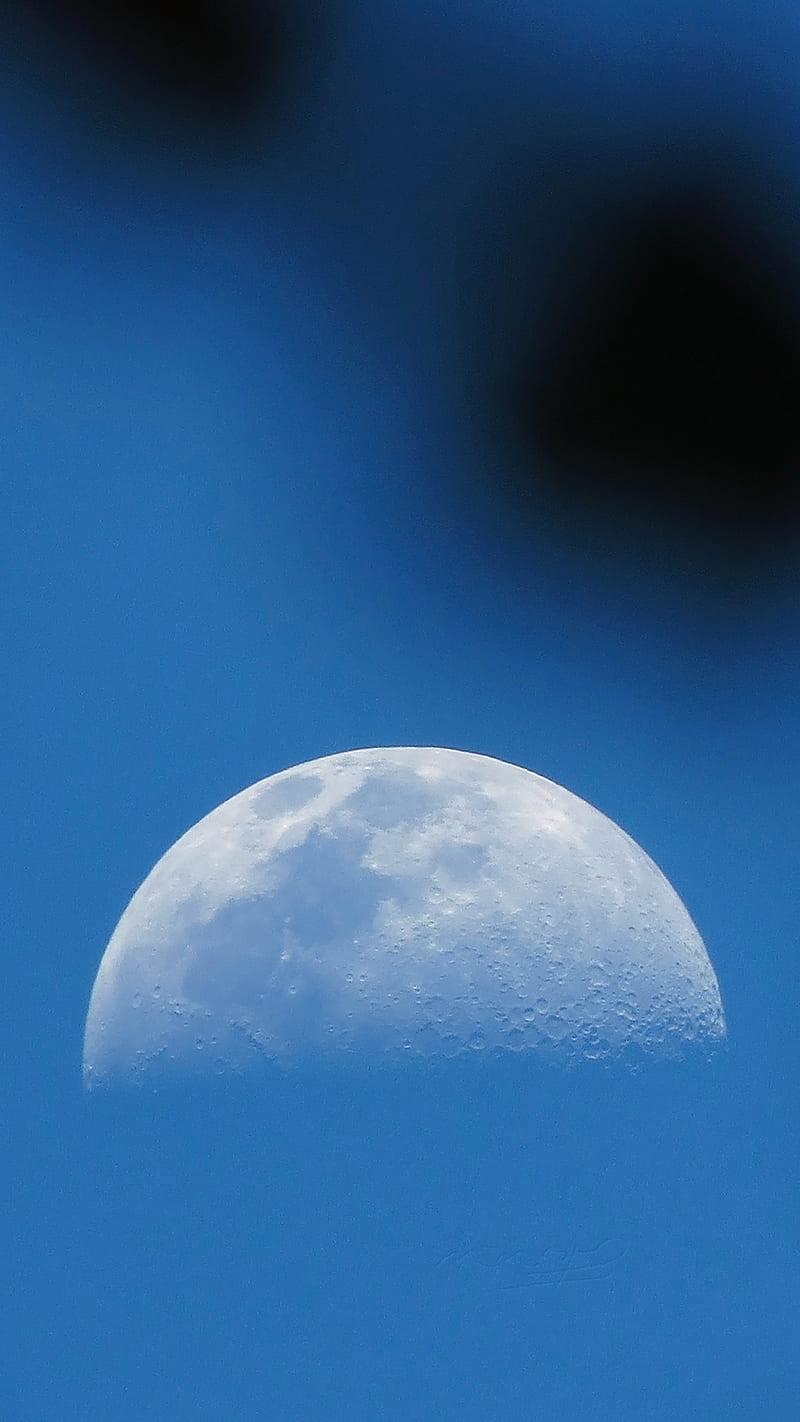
{"x":247,"y":523}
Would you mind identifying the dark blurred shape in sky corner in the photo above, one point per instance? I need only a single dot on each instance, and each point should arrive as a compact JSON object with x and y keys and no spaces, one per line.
{"x":193,"y":70}
{"x":655,"y":402}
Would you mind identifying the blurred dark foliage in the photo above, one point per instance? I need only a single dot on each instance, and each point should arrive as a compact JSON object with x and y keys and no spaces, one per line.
{"x":663,"y":392}
{"x":200,"y":69}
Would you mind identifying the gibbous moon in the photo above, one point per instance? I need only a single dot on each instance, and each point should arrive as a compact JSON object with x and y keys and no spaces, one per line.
{"x":402,"y":902}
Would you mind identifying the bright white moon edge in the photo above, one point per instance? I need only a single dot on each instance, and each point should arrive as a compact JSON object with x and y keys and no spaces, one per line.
{"x":402,"y":902}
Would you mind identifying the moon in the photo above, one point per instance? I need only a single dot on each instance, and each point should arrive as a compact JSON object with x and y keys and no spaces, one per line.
{"x":402,"y":902}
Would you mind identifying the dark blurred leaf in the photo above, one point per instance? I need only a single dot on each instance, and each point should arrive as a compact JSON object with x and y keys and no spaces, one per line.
{"x":208,"y":63}
{"x":671,"y":390}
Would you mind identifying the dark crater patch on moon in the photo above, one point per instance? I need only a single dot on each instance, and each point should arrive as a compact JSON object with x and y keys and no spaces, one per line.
{"x":328,"y":892}
{"x":461,"y":861}
{"x":291,"y":794}
{"x":238,"y":973}
{"x":460,"y":791}
{"x":401,"y":797}
{"x":269,"y":944}
{"x":236,"y":957}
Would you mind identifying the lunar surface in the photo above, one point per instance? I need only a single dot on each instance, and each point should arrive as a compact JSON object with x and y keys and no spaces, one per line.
{"x":403,"y":903}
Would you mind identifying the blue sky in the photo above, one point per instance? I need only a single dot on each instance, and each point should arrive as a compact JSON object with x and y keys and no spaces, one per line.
{"x":251,"y":518}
